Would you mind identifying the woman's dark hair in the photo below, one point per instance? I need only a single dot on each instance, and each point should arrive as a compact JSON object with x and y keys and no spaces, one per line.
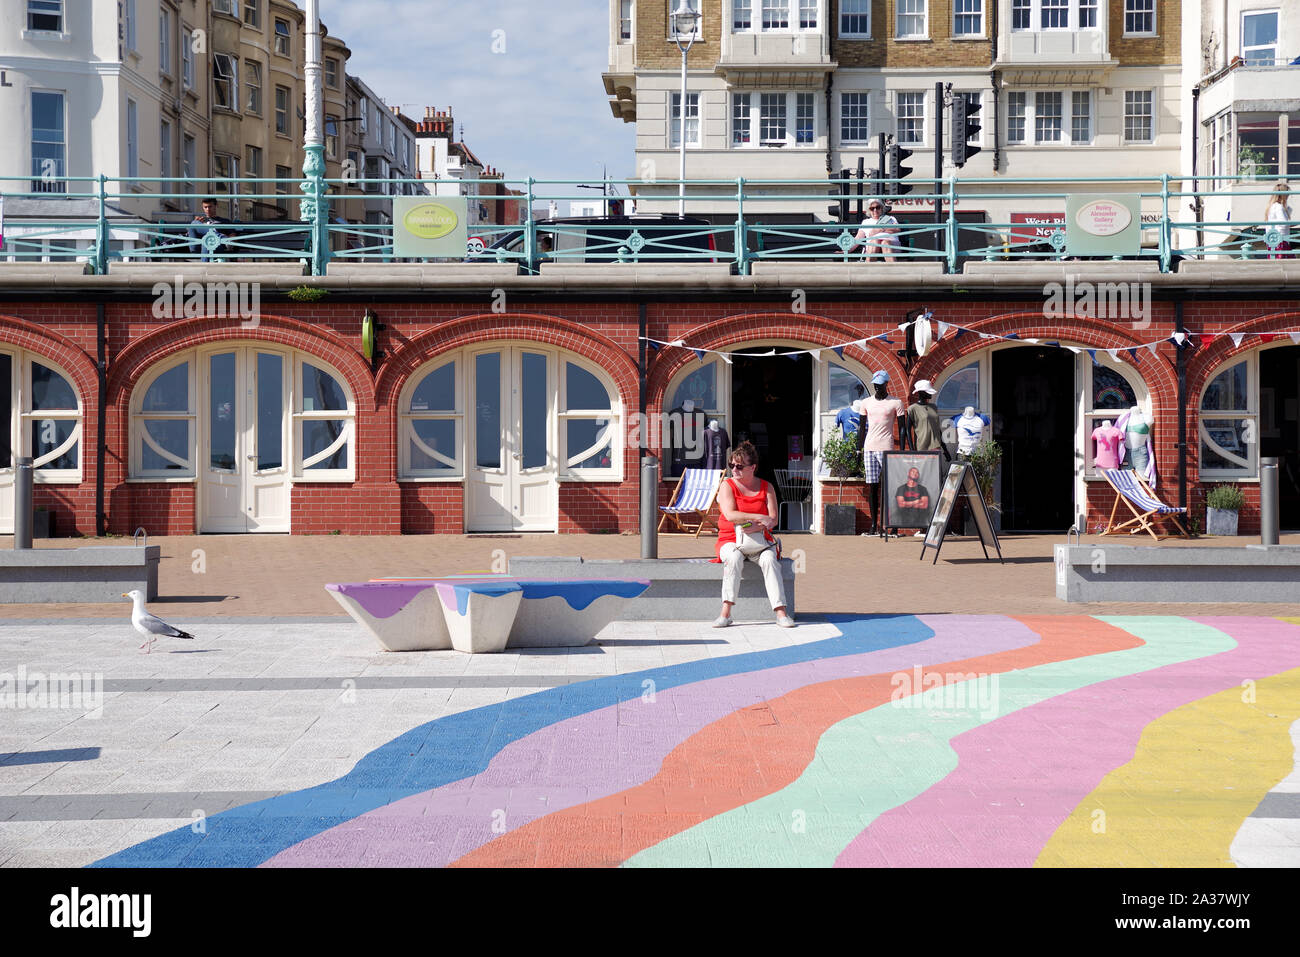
{"x":746,"y":451}
{"x":882,"y":390}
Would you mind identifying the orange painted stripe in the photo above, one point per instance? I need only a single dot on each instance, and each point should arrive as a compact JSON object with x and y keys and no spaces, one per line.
{"x":752,"y":753}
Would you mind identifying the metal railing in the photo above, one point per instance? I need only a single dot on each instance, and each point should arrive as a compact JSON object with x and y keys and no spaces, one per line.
{"x":102,"y":220}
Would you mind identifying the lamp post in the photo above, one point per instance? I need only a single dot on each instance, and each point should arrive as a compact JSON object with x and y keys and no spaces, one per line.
{"x":686,"y":25}
{"x":315,"y":205}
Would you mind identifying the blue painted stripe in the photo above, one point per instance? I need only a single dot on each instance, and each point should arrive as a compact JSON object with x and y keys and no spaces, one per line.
{"x":580,"y":594}
{"x":461,"y":745}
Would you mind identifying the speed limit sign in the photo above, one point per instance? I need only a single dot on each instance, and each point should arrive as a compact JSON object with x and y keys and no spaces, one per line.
{"x":476,"y":245}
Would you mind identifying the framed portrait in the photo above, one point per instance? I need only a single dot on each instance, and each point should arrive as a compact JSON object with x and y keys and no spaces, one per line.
{"x":910,"y":483}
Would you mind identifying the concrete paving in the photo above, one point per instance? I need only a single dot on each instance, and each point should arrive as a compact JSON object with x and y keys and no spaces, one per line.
{"x":949,"y":715}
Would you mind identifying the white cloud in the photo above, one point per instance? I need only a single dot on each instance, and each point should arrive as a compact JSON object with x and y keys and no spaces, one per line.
{"x":536,"y":109}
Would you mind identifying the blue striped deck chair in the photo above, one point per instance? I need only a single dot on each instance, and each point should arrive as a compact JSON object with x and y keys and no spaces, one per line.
{"x":1142,"y":502}
{"x":695,"y":494}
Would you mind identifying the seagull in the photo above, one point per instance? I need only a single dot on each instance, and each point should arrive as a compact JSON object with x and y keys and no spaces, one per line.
{"x":151,"y":626}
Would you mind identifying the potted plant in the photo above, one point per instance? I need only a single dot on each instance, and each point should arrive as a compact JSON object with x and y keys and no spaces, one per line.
{"x":1221,"y":508}
{"x":841,"y":458}
{"x":986,"y":460}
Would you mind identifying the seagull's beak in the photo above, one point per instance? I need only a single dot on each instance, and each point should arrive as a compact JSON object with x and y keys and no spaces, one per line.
{"x":125,"y":595}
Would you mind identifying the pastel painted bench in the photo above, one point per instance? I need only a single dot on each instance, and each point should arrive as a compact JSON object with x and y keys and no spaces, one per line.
{"x":474,"y":613}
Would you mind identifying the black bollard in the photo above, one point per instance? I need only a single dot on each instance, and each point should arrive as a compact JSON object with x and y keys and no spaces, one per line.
{"x":1269,"y":518}
{"x":649,"y":507}
{"x":23,"y":515}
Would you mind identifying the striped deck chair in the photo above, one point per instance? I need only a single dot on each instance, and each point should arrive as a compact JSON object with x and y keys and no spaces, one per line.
{"x":695,"y":494}
{"x":1142,"y":502}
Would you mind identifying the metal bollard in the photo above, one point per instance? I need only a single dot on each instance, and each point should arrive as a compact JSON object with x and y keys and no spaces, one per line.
{"x":23,"y":515}
{"x":1269,"y":517}
{"x":649,"y":507}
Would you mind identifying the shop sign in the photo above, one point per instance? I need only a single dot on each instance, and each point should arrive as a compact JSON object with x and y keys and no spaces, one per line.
{"x":1103,"y":225}
{"x":1035,"y":227}
{"x":426,"y":228}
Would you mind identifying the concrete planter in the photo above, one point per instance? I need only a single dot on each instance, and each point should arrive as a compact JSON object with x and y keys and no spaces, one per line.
{"x":840,"y":519}
{"x":1220,"y":521}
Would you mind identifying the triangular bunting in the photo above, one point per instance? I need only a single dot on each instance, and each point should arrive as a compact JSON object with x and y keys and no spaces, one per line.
{"x":1268,"y":336}
{"x":886,"y":341}
{"x":1032,"y":342}
{"x":838,"y":350}
{"x":1236,"y":338}
{"x":1113,"y":353}
{"x":725,"y":357}
{"x":960,"y":333}
{"x":1075,"y":349}
{"x":1295,"y":337}
{"x":1133,"y":355}
{"x":987,"y":335}
{"x":1152,"y":347}
{"x":1179,"y":338}
{"x":795,"y":355}
{"x":1092,"y":354}
{"x":1011,"y":335}
{"x":943,"y":327}
{"x":816,"y":354}
{"x":652,"y":345}
{"x":699,"y":354}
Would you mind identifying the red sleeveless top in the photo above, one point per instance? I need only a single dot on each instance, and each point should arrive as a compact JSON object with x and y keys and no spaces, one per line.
{"x":745,"y":502}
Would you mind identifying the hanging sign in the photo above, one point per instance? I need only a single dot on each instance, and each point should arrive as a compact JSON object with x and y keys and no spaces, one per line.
{"x":429,"y":228}
{"x":1103,"y":225}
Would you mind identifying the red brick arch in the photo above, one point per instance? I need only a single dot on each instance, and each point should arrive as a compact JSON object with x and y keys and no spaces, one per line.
{"x":57,"y":349}
{"x":1210,"y":357}
{"x":156,"y":345}
{"x":492,"y":327}
{"x":1157,"y":371}
{"x":819,"y":331}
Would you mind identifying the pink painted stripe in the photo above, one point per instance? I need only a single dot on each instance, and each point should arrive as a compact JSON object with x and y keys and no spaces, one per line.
{"x":600,"y":753}
{"x":993,"y":809}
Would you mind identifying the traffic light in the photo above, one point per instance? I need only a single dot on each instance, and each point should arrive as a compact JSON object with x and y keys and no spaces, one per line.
{"x":965,"y":125}
{"x":839,"y":209}
{"x":895,"y":170}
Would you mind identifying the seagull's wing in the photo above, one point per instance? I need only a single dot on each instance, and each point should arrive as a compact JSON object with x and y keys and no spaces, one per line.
{"x":154,"y":625}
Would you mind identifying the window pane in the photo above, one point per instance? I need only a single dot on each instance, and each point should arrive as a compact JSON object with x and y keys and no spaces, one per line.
{"x":581,"y":435}
{"x":1224,"y":444}
{"x":317,"y":436}
{"x":804,"y":117}
{"x":50,"y":390}
{"x":48,"y":435}
{"x":1110,"y":390}
{"x":487,"y":415}
{"x":221,"y":412}
{"x":171,"y":435}
{"x":436,"y":391}
{"x":772,"y":122}
{"x":855,"y":17}
{"x":534,"y":412}
{"x":961,"y":389}
{"x":321,"y":391}
{"x":701,"y":386}
{"x":170,"y":392}
{"x":437,"y":435}
{"x":583,"y":390}
{"x":854,"y":118}
{"x":1227,"y":392}
{"x":845,"y":387}
{"x":270,"y":411}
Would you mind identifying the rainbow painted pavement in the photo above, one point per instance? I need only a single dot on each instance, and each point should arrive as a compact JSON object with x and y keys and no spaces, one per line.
{"x":928,"y":740}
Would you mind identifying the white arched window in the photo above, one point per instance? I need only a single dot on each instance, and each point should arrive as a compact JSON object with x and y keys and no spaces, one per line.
{"x":589,"y":422}
{"x":44,"y":415}
{"x":1228,"y":421}
{"x":704,"y":388}
{"x":431,"y":416}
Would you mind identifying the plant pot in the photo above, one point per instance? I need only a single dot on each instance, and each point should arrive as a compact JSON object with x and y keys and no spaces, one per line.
{"x":42,"y":524}
{"x":840,"y":519}
{"x":1220,"y":521}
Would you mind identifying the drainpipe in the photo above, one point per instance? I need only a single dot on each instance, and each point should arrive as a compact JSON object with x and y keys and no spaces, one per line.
{"x":101,"y":441}
{"x":1182,"y":407}
{"x":995,"y":77}
{"x":1197,"y":206}
{"x":830,"y":102}
{"x":641,"y":361}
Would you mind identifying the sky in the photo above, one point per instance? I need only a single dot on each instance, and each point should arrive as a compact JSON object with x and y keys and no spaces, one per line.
{"x":522,"y":77}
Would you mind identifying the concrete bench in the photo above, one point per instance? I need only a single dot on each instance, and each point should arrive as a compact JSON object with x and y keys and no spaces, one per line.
{"x":425,"y":614}
{"x":1168,"y":573}
{"x":681,"y":589}
{"x":97,"y":573}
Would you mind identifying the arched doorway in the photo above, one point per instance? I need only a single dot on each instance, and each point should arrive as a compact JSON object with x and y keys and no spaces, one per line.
{"x":40,"y":417}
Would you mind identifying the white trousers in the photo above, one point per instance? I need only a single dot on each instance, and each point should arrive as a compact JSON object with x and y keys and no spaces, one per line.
{"x":733,"y":562}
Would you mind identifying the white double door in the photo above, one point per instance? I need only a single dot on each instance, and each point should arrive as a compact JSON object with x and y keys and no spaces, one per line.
{"x":511,"y":482}
{"x":244,"y":440}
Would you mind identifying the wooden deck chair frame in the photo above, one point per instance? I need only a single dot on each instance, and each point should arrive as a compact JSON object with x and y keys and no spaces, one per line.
{"x":703,"y":516}
{"x":1141,"y":521}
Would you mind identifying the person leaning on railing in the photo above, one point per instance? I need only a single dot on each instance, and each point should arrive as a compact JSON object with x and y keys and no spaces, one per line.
{"x":203,"y":223}
{"x":1279,"y":211}
{"x":876,"y":235}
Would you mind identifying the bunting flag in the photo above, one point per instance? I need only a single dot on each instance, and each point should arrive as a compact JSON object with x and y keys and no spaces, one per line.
{"x":1236,"y":338}
{"x":1011,"y":335}
{"x":1152,"y":347}
{"x":1295,"y":337}
{"x":795,"y":355}
{"x":1032,"y":342}
{"x":838,"y":350}
{"x":888,"y":342}
{"x":1268,"y":336}
{"x":1178,"y":338}
{"x":1133,"y":356}
{"x":816,"y":354}
{"x":1092,"y":354}
{"x":725,"y":357}
{"x":1113,"y":353}
{"x":987,"y":335}
{"x":1075,"y":349}
{"x":943,"y":327}
{"x":1052,"y":343}
{"x":960,"y":333}
{"x":652,"y":345}
{"x":699,"y":354}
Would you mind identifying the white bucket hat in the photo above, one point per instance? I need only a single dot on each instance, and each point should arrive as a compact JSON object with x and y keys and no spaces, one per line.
{"x":923,"y":385}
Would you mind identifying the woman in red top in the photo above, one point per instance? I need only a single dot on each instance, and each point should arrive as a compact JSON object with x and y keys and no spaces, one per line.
{"x":748,"y":507}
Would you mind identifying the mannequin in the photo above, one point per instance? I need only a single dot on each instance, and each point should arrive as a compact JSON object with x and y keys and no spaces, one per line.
{"x":970,"y":430}
{"x":1139,"y":451}
{"x":879,"y":413}
{"x":1108,"y":440}
{"x":716,"y":443}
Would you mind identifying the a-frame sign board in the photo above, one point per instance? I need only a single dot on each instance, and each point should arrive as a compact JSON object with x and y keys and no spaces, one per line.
{"x":960,"y":481}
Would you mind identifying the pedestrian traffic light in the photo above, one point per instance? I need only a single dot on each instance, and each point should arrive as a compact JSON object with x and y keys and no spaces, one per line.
{"x":965,"y":127}
{"x":839,"y":209}
{"x":895,"y":170}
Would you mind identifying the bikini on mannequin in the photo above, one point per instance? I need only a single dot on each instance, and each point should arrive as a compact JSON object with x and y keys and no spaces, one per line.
{"x":1138,"y":447}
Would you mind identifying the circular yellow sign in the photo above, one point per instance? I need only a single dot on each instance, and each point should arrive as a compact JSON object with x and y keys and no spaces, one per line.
{"x":430,"y":220}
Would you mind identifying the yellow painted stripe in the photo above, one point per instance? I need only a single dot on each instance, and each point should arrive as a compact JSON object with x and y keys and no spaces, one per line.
{"x":1198,"y":772}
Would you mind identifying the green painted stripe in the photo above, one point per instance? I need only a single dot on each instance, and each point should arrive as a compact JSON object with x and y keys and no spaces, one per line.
{"x":884,"y":757}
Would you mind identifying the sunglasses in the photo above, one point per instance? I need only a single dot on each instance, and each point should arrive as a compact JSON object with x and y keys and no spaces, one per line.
{"x":875,"y":207}
{"x":736,"y":466}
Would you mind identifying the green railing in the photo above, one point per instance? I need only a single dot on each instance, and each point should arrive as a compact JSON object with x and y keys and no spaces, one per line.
{"x":100,"y":220}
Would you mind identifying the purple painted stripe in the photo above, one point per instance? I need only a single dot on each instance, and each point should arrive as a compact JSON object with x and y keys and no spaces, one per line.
{"x":603,"y":752}
{"x":984,"y":807}
{"x":382,"y":599}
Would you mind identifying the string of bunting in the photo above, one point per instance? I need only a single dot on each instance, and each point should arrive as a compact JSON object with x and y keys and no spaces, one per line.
{"x":1179,"y":339}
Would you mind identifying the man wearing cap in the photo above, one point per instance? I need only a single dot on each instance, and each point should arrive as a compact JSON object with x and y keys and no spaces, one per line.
{"x":879,"y":412}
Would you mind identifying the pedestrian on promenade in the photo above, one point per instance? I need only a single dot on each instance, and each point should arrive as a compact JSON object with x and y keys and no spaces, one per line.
{"x":748,"y":513}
